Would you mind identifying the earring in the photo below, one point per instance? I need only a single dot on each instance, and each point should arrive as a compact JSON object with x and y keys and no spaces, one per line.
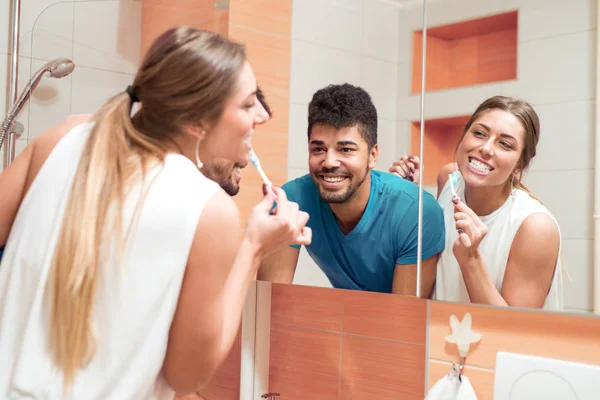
{"x":199,"y":163}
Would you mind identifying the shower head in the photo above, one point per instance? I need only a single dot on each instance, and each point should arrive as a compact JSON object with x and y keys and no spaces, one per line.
{"x":60,"y":67}
{"x":57,"y":68}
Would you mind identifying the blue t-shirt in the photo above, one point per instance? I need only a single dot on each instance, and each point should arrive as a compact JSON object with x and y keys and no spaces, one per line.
{"x":386,"y":235}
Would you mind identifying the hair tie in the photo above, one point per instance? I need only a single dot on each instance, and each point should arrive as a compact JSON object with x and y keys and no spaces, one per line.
{"x":132,"y":96}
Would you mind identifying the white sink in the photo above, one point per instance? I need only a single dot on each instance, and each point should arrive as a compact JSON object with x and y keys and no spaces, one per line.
{"x":522,"y":377}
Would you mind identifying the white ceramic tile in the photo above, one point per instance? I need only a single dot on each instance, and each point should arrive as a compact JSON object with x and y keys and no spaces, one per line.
{"x":308,"y":273}
{"x":5,"y":36}
{"x":402,"y":138}
{"x":576,"y":311}
{"x":548,"y":18}
{"x":557,"y":69}
{"x":51,"y":34}
{"x":30,"y":12}
{"x":108,"y":35}
{"x":566,"y":136}
{"x":298,"y":136}
{"x":50,"y":102}
{"x":379,"y":78}
{"x":334,"y":23}
{"x":577,"y":257}
{"x":92,"y":88}
{"x":314,"y":67}
{"x":294,"y":173}
{"x":4,"y":60}
{"x":572,"y":208}
{"x":460,"y":101}
{"x":25,"y":66}
{"x":431,"y":189}
{"x":410,"y":20}
{"x":386,"y":138}
{"x":380,"y":37}
{"x":443,"y":12}
{"x":20,"y":146}
{"x":408,"y":105}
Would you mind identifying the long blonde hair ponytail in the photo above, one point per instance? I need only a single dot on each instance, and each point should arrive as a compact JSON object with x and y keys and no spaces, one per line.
{"x":187,"y":75}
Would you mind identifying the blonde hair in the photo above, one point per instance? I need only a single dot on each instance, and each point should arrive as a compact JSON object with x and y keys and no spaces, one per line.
{"x":186,"y":76}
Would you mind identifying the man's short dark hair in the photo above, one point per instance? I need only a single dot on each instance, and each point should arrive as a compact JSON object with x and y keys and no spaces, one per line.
{"x":261,"y":98}
{"x":344,"y":106}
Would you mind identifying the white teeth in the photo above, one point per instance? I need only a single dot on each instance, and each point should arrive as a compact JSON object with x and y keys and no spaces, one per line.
{"x":479,"y":166}
{"x":248,"y":140}
{"x":238,"y":170}
{"x":333,"y":178}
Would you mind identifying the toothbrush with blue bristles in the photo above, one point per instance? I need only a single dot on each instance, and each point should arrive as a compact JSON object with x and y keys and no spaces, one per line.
{"x":453,"y":183}
{"x":256,"y":162}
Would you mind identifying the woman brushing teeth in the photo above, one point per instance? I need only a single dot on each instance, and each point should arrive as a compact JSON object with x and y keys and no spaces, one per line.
{"x":502,"y":244}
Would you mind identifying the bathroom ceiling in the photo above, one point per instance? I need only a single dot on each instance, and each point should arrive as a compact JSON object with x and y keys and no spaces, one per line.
{"x":404,"y":3}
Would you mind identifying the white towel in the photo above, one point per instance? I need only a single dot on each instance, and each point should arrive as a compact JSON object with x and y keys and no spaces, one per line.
{"x":450,"y":388}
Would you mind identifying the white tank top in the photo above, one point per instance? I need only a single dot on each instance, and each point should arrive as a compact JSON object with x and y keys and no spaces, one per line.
{"x":135,"y":302}
{"x":502,"y":227}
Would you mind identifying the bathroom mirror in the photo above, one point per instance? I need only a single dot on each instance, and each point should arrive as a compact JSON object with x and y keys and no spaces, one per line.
{"x":474,"y":51}
{"x":546,"y":54}
{"x":385,"y":53}
{"x":367,"y":43}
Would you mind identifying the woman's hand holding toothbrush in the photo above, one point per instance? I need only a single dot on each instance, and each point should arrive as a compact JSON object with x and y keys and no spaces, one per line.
{"x":407,"y":167}
{"x":471,"y":231}
{"x":286,"y":226}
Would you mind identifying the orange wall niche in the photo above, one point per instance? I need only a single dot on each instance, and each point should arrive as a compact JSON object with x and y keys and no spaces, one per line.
{"x":343,"y":344}
{"x":440,"y":139}
{"x":467,"y":53}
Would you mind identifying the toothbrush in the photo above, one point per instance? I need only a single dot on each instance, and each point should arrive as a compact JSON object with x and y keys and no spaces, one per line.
{"x":256,"y":162}
{"x":453,"y":183}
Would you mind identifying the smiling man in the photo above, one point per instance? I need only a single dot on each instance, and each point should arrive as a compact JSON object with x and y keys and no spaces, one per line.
{"x":364,"y":222}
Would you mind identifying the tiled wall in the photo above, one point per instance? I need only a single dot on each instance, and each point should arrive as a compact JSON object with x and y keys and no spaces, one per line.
{"x":369,"y":43}
{"x":363,"y":42}
{"x":340,"y":344}
{"x":160,"y":15}
{"x":556,"y":73}
{"x":264,"y":26}
{"x":102,"y":37}
{"x":563,"y":337}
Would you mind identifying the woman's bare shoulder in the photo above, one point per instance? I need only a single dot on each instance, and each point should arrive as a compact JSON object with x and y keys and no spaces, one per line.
{"x":47,"y":140}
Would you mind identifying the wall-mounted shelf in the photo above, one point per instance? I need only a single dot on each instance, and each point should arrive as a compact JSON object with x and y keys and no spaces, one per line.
{"x":441,"y":137}
{"x":467,"y":53}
